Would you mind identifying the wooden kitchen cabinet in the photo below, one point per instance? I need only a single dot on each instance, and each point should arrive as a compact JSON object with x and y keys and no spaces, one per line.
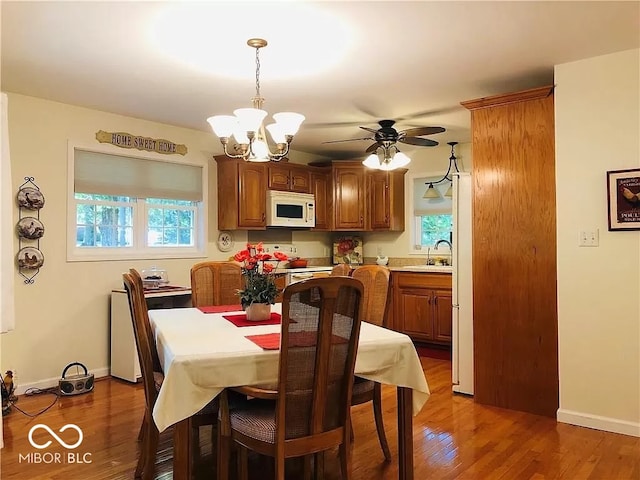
{"x":321,"y":189}
{"x":289,"y":177}
{"x":349,"y":197}
{"x":515,"y":342}
{"x":386,"y":200}
{"x":422,"y":306}
{"x":242,"y":201}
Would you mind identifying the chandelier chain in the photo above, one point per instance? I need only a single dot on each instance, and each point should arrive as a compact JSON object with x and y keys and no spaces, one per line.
{"x":258,"y":72}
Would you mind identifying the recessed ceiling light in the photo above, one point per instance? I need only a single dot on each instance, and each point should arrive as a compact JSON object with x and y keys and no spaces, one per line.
{"x":303,"y":39}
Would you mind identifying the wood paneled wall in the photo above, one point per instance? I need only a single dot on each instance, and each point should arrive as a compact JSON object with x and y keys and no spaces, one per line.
{"x":514,"y":251}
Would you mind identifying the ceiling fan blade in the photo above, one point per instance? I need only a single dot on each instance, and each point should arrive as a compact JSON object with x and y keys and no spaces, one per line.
{"x":349,"y":140}
{"x":419,"y":131}
{"x":369,"y":129}
{"x":422,"y":142}
{"x":430,"y":113}
{"x":372,"y":148}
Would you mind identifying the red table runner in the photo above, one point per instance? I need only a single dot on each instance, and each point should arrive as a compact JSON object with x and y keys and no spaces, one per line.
{"x":240,"y":320}
{"x":271,"y":341}
{"x":220,"y":308}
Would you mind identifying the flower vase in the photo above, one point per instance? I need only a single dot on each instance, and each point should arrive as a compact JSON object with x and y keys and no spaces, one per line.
{"x":257,"y":312}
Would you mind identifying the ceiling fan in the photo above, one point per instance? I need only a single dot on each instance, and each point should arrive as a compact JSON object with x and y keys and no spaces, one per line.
{"x":386,"y":136}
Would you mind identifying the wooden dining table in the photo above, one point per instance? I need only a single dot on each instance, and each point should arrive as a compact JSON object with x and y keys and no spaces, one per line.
{"x":204,"y":353}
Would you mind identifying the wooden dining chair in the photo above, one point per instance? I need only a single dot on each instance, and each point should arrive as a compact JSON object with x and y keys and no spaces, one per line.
{"x":215,"y":283}
{"x":341,"y":270}
{"x":319,"y":338}
{"x":375,"y":280}
{"x":152,"y":378}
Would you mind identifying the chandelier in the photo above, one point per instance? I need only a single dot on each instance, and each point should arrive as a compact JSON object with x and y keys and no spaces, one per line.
{"x":431,"y":191}
{"x":246,"y":125}
{"x":386,"y":157}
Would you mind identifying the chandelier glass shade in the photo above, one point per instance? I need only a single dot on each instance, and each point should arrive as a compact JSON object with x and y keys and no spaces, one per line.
{"x":386,"y":157}
{"x":247,"y":128}
{"x":431,"y":191}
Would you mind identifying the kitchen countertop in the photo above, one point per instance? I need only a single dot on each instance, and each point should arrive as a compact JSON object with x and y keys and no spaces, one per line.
{"x":423,"y":269}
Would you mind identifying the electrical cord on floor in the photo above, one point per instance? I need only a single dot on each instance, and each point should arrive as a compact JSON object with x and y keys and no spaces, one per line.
{"x":12,"y":399}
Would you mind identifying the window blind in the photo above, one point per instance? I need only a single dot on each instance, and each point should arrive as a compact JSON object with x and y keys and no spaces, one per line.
{"x":106,"y":174}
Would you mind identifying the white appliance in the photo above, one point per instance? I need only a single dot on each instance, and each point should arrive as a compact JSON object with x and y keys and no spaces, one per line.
{"x":290,"y":209}
{"x":462,"y":339}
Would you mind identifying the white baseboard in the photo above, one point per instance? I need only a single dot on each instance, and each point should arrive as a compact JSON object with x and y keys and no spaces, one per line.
{"x":597,"y":422}
{"x":53,"y":382}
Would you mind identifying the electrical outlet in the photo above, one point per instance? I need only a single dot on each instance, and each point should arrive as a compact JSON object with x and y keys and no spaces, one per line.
{"x":588,"y":238}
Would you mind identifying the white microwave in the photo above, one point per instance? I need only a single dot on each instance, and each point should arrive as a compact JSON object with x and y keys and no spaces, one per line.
{"x":290,"y":209}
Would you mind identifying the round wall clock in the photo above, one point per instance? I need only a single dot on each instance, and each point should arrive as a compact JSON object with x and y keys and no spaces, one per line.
{"x":225,"y":241}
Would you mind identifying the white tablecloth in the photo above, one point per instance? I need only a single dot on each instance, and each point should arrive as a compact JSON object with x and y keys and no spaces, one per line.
{"x":202,"y":353}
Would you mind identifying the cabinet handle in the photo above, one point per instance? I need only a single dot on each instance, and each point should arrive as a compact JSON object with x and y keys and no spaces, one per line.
{"x":361,"y":219}
{"x":264,"y":216}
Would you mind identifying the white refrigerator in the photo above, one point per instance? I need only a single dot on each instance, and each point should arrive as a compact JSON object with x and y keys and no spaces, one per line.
{"x":462,"y":335}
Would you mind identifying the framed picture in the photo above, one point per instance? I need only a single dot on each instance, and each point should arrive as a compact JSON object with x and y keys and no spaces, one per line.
{"x":623,"y":199}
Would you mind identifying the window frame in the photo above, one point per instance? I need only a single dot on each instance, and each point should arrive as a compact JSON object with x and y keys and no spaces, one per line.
{"x":414,"y":220}
{"x":140,"y":251}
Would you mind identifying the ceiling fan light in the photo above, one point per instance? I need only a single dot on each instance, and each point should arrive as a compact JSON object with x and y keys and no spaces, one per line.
{"x":289,"y":121}
{"x":240,"y":135}
{"x":223,"y":125}
{"x":431,"y":192}
{"x":372,"y":161}
{"x":400,"y":160}
{"x":250,"y":119}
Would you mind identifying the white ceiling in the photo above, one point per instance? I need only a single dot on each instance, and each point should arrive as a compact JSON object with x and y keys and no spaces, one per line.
{"x":341,"y":64}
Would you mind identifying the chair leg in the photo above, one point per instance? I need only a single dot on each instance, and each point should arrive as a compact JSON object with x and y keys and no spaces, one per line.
{"x":243,"y":463}
{"x":377,"y":413}
{"x":345,"y":460}
{"x":280,"y":467}
{"x":148,"y":459}
{"x":319,"y":466}
{"x":224,"y":438}
{"x":143,"y":428}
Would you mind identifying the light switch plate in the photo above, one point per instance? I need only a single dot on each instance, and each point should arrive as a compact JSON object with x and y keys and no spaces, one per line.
{"x":588,"y":238}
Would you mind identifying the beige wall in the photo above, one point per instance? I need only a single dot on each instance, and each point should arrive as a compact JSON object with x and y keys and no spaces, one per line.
{"x":64,"y":316}
{"x":597,"y":129}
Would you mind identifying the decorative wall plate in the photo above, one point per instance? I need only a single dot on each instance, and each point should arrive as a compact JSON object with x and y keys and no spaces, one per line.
{"x":30,"y":258}
{"x":30,"y":198}
{"x":30,"y":227}
{"x":225,"y":241}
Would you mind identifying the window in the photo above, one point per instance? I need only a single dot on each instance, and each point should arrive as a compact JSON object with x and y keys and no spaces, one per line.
{"x":431,"y":228}
{"x":433,"y":218}
{"x":130,"y":208}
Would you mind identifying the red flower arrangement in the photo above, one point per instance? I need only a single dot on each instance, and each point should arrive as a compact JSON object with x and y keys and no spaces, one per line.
{"x":259,"y":271}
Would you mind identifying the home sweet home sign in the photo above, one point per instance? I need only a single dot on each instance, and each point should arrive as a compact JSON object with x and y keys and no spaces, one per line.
{"x":126,"y":140}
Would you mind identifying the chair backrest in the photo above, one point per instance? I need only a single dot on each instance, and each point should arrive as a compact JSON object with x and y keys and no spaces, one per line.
{"x":142,"y":333}
{"x":375,"y":279}
{"x":320,"y":329}
{"x":215,"y":283}
{"x":341,"y":270}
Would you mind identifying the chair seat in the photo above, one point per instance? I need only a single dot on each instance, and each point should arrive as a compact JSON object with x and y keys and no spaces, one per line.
{"x":361,"y":386}
{"x":258,"y":421}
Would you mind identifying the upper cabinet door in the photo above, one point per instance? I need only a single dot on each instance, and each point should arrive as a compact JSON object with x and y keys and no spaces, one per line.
{"x":252,"y":188}
{"x":349,"y":197}
{"x":386,"y":197}
{"x":289,"y":177}
{"x":321,"y":189}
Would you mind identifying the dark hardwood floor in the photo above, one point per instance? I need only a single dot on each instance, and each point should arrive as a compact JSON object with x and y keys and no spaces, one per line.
{"x":454,"y":438}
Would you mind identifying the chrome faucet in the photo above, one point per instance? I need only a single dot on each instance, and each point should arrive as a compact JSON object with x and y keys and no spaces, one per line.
{"x":443,"y":241}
